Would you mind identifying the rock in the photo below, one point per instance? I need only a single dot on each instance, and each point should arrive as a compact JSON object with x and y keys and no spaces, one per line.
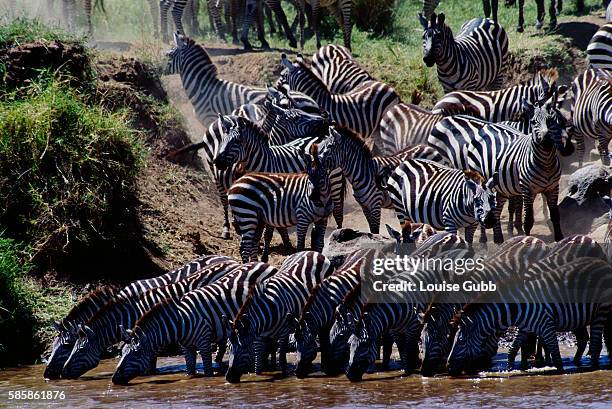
{"x":342,"y":242}
{"x":581,"y":208}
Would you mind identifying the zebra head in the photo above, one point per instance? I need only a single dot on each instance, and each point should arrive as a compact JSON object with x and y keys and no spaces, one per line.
{"x":61,"y":349}
{"x":483,"y":197}
{"x":319,"y":189}
{"x":437,"y":337}
{"x":295,"y":121}
{"x":136,"y":357}
{"x":329,"y":149}
{"x":467,"y":345}
{"x":363,"y":349}
{"x":240,"y":348}
{"x":85,"y":354}
{"x":175,"y":55}
{"x":548,"y":125}
{"x":306,"y":341}
{"x":339,"y":335}
{"x":433,"y":38}
{"x":233,"y":147}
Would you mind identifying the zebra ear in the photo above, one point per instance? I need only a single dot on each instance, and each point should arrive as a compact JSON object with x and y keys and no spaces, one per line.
{"x":470,"y":183}
{"x":528,"y":108}
{"x":300,"y":58}
{"x":493,"y":181}
{"x":226,"y":123}
{"x":441,"y":18}
{"x":57,"y":326}
{"x":394,"y":233}
{"x":126,"y":335}
{"x":423,"y":21}
{"x":286,"y":62}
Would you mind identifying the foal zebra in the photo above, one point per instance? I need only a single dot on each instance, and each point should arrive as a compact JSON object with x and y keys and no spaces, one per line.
{"x":592,"y":111}
{"x":258,"y":200}
{"x":194,"y":322}
{"x":336,"y":67}
{"x":445,"y":198}
{"x":265,"y":312}
{"x":318,"y":314}
{"x":472,"y":61}
{"x":359,"y":110}
{"x":565,"y":297}
{"x":366,"y":173}
{"x":599,"y":50}
{"x":103,"y":329}
{"x":209,"y":94}
{"x":527,"y":164}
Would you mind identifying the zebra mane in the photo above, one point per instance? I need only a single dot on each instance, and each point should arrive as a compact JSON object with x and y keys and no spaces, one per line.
{"x":312,"y":76}
{"x":354,"y":139}
{"x":475,"y":176}
{"x":201,"y":51}
{"x":255,"y":127}
{"x":143,"y":322}
{"x":246,"y":303}
{"x":312,"y":296}
{"x":100,"y":293}
{"x":550,"y":75}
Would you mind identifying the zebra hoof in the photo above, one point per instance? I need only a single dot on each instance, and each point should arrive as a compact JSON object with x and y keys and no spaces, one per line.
{"x":265,"y":46}
{"x":226,"y":235}
{"x":520,"y":29}
{"x":539,"y":25}
{"x":293,"y":44}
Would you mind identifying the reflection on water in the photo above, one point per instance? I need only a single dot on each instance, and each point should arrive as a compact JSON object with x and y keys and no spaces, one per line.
{"x":172,"y":388}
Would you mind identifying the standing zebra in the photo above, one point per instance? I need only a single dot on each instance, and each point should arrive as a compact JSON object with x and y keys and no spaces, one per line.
{"x":231,"y":10}
{"x":253,"y":7}
{"x":258,"y":200}
{"x":342,"y":10}
{"x":92,"y":303}
{"x":264,"y":313}
{"x":592,"y":111}
{"x":209,"y":94}
{"x":565,"y":297}
{"x":336,"y":67}
{"x":445,"y":198}
{"x":318,"y":314}
{"x":527,"y":164}
{"x":599,"y":50}
{"x":366,"y":173}
{"x":194,"y":322}
{"x":404,"y":125}
{"x":359,"y":110}
{"x":472,"y":61}
{"x":104,"y":328}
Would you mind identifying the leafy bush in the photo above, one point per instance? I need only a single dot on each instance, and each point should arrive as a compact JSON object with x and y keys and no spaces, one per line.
{"x":375,"y":15}
{"x":65,"y":169}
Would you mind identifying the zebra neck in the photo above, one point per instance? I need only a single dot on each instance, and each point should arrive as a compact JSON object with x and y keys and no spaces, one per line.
{"x":316,"y":89}
{"x":106,"y":326}
{"x":267,"y":124}
{"x":357,"y":167}
{"x":167,"y":327}
{"x":543,"y":156}
{"x":451,"y":57}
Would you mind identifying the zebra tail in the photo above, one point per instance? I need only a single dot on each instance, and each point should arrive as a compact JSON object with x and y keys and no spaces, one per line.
{"x":185,"y":149}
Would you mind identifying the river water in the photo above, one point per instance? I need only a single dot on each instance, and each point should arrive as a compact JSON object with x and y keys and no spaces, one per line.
{"x":171,"y":388}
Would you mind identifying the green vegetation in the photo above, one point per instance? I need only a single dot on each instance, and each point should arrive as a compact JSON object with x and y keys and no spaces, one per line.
{"x":24,"y":30}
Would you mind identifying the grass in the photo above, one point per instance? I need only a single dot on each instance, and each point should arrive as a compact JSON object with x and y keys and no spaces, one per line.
{"x":23,"y":30}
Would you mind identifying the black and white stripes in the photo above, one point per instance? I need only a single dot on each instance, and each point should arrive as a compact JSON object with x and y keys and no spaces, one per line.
{"x":599,"y":50}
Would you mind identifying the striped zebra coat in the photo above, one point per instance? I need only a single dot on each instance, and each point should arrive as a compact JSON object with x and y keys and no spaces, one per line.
{"x":103,"y":329}
{"x":527,"y":164}
{"x":318,"y":314}
{"x":404,"y":125}
{"x":445,"y":198}
{"x":209,"y":94}
{"x":194,"y":322}
{"x":258,"y":200}
{"x":231,"y":9}
{"x":359,"y":110}
{"x":473,"y":60}
{"x":366,"y":173}
{"x":592,"y":111}
{"x":336,"y":67}
{"x":266,"y":311}
{"x":565,"y":297}
{"x":599,"y":50}
{"x":92,"y":303}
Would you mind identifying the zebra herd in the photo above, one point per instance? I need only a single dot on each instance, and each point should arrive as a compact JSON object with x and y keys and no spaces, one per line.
{"x":284,"y":156}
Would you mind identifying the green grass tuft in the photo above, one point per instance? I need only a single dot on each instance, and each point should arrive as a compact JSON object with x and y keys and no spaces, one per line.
{"x":23,"y":30}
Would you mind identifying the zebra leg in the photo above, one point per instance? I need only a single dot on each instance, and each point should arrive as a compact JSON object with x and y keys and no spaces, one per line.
{"x":553,"y":209}
{"x":387,"y":349}
{"x":346,"y":10}
{"x":164,"y":5}
{"x":232,"y":7}
{"x":517,"y":343}
{"x":269,"y":17}
{"x":372,"y":215}
{"x":177,"y":16}
{"x":275,"y":5}
{"x":152,"y":370}
{"x":246,"y":245}
{"x":595,"y":342}
{"x":271,"y":347}
{"x":579,"y":138}
{"x":540,"y":14}
{"x":302,"y":229}
{"x":552,"y":11}
{"x":548,"y":336}
{"x":268,"y":232}
{"x":602,"y":148}
{"x":154,"y":8}
{"x":259,"y":25}
{"x":259,"y":347}
{"x":316,"y":20}
{"x":559,"y":8}
{"x":221,"y":348}
{"x":249,"y":15}
{"x":318,"y":239}
{"x":469,"y":234}
{"x":498,"y":235}
{"x":521,"y":23}
{"x":338,"y":184}
{"x":190,"y":359}
{"x":527,"y":210}
{"x":225,"y":204}
{"x":215,"y":14}
{"x":206,"y":355}
{"x":582,"y":339}
{"x":283,"y":343}
{"x":286,"y":240}
{"x":194,"y":23}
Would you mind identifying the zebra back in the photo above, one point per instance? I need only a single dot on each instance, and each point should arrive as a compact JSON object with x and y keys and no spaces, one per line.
{"x":599,"y":50}
{"x":336,"y":67}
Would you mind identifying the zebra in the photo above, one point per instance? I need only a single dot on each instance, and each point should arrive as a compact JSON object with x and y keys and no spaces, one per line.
{"x":67,"y":327}
{"x":580,"y":292}
{"x":404,"y":125}
{"x":473,"y":60}
{"x":281,"y":200}
{"x":336,"y":67}
{"x":415,"y":233}
{"x":254,"y":7}
{"x":359,"y":110}
{"x":231,"y":9}
{"x":209,"y":94}
{"x":599,"y":50}
{"x":318,"y":314}
{"x":264,"y":313}
{"x":592,"y":111}
{"x":445,"y":198}
{"x":246,"y":144}
{"x":94,"y":301}
{"x":554,"y":11}
{"x":103,"y":329}
{"x":366,"y":173}
{"x":527,"y":164}
{"x":194,"y":322}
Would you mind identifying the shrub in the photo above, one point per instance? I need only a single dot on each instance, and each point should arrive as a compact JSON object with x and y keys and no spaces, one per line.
{"x":375,"y":15}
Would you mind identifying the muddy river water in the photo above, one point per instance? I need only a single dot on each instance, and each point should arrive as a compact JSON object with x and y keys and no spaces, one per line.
{"x":171,"y":388}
